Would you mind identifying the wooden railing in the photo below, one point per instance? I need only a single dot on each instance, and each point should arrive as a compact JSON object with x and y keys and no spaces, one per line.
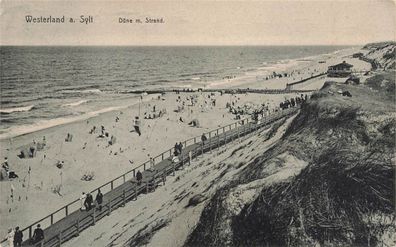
{"x":216,"y":138}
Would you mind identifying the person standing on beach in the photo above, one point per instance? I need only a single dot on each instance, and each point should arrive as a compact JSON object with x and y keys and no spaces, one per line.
{"x":18,"y":236}
{"x":136,"y":125}
{"x":99,"y":199}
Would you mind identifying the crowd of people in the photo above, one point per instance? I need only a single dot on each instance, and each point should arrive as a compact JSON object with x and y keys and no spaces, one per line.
{"x":292,"y":102}
{"x":15,"y":236}
{"x":87,"y":202}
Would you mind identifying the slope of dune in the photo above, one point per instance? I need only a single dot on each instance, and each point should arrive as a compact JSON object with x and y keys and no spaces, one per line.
{"x":343,"y":196}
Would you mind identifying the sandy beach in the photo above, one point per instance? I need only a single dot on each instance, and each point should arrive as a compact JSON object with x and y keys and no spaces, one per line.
{"x":40,"y":180}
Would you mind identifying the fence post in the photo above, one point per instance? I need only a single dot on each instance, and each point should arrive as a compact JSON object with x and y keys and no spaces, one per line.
{"x":60,"y":238}
{"x":112,"y":185}
{"x":170,"y":152}
{"x":78,"y":226}
{"x":123,"y":197}
{"x":134,"y":175}
{"x":123,"y":177}
{"x":162,"y":156}
{"x":238,"y":131}
{"x":218,"y":139}
{"x":30,"y":231}
{"x":52,"y":219}
{"x":225,"y":137}
{"x":195,"y":140}
{"x":109,"y":207}
{"x":94,"y":216}
{"x":210,"y":142}
{"x":67,"y":210}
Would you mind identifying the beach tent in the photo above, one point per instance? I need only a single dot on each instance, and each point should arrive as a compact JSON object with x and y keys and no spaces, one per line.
{"x":195,"y":123}
{"x":27,"y":151}
{"x":3,"y":174}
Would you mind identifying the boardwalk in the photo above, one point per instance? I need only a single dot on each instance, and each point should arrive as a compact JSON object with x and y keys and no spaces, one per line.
{"x":59,"y":229}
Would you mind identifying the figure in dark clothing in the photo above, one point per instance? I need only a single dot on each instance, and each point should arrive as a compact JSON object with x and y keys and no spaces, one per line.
{"x":18,"y":236}
{"x":176,"y":152}
{"x":180,"y":147}
{"x":99,"y":199}
{"x":38,"y":234}
{"x":136,"y":125}
{"x":88,"y":202}
{"x":203,"y":138}
{"x":139,"y":177}
{"x":292,"y":102}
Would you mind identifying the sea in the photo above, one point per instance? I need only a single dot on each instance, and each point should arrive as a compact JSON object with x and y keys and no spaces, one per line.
{"x":46,"y":86}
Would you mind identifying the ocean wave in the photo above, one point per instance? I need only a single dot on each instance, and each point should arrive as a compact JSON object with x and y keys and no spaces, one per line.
{"x":45,"y":124}
{"x":17,"y":109}
{"x":80,"y":102}
{"x":158,"y":81}
{"x":196,"y":74}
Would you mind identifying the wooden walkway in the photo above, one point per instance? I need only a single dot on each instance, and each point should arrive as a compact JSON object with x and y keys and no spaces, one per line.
{"x":70,"y":225}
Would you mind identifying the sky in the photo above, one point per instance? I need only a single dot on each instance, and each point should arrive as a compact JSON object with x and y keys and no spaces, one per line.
{"x":282,"y":22}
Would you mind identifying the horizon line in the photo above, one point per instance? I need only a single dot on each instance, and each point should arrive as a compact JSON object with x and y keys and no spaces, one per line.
{"x":183,"y":45}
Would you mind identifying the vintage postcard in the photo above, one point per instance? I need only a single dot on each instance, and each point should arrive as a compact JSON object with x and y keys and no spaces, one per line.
{"x":197,"y":123}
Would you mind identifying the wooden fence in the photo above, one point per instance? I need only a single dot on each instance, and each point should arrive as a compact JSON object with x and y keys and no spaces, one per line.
{"x":118,"y":191}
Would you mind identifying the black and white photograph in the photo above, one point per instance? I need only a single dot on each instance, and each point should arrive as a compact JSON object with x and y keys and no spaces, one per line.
{"x":172,"y":123}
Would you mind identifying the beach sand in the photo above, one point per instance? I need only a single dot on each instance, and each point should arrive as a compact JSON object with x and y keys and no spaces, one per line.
{"x":34,"y":196}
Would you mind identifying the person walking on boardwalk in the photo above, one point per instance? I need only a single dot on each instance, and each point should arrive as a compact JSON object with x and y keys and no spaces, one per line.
{"x":82,"y":201}
{"x":139,"y":177}
{"x":136,"y":125}
{"x":18,"y":236}
{"x":180,"y":147}
{"x":176,"y":152}
{"x":88,"y":201}
{"x":204,"y":138}
{"x":38,"y":234}
{"x":152,"y":163}
{"x":99,"y":199}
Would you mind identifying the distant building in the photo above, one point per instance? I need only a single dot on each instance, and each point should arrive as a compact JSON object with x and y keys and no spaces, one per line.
{"x":340,"y":70}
